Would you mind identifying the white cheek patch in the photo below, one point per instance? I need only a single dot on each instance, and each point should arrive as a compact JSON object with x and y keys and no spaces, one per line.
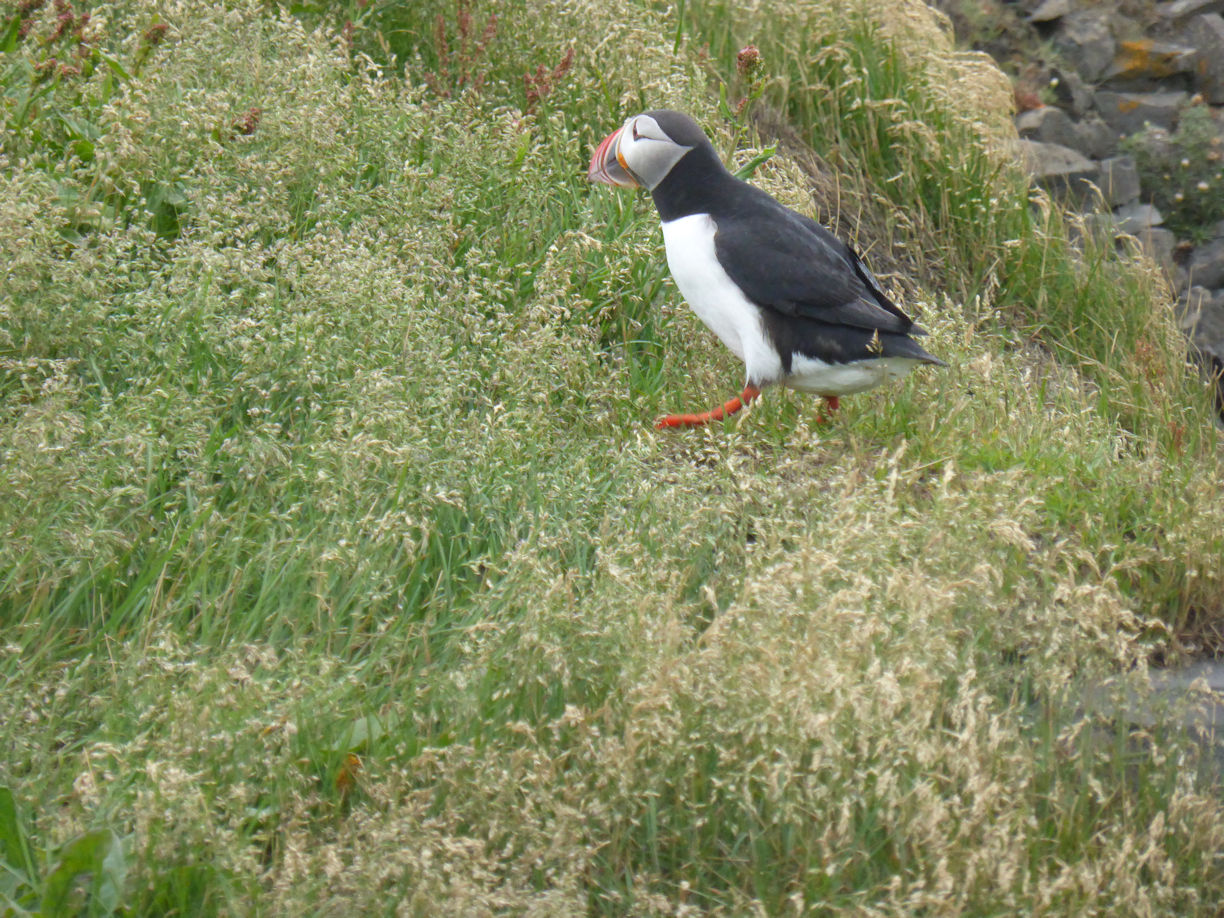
{"x":651,"y":160}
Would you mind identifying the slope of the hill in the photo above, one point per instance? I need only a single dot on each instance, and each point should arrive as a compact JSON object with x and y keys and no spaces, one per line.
{"x":341,"y":571}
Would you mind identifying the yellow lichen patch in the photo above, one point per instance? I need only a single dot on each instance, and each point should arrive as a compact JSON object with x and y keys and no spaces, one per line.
{"x":1144,"y":57}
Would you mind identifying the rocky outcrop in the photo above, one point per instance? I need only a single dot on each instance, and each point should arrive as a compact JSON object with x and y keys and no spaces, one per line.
{"x":1120,"y":86}
{"x":1206,"y":33}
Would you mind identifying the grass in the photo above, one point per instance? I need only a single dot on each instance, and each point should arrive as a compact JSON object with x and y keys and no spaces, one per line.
{"x":341,"y":571}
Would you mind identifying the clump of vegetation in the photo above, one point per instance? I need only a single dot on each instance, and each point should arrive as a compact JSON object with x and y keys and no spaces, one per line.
{"x":999,"y":29}
{"x":85,"y":875}
{"x":1183,"y":172}
{"x":62,"y":72}
{"x":341,"y":572}
{"x":466,"y":65}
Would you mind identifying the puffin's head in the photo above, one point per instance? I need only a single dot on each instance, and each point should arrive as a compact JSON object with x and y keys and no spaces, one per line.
{"x":641,"y":152}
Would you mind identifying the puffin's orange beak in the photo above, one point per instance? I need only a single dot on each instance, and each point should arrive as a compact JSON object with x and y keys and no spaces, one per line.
{"x":608,"y":166}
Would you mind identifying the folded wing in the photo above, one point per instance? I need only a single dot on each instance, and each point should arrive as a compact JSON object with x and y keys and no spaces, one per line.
{"x":787,"y":262}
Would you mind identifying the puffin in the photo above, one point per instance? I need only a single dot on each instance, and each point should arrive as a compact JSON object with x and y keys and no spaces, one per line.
{"x":796,"y":304}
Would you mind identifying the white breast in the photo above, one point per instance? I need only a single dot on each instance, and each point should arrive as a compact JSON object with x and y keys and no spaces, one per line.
{"x":715,"y":298}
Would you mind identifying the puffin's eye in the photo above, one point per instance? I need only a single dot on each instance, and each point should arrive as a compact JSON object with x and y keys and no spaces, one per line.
{"x":636,"y":135}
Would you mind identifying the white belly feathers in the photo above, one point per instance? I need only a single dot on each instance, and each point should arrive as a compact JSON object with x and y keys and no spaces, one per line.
{"x":716,"y":299}
{"x":809,"y":374}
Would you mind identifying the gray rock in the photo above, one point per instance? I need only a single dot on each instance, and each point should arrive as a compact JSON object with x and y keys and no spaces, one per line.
{"x":1156,"y":144}
{"x":1135,"y":218}
{"x":1189,"y":308}
{"x":1206,"y":265}
{"x":1179,"y":10}
{"x":1099,"y":227}
{"x":1207,"y":333}
{"x":1096,"y":138}
{"x":1072,"y":93}
{"x":1147,"y":59}
{"x":1059,"y":169}
{"x":1203,"y":683}
{"x":1200,"y":314}
{"x":1128,"y":112}
{"x":1084,"y":39}
{"x":1206,"y":33}
{"x":1186,"y":701}
{"x":1207,"y":336}
{"x":1049,"y":10}
{"x":1119,"y":181}
{"x":1158,"y":244}
{"x":1048,"y":125}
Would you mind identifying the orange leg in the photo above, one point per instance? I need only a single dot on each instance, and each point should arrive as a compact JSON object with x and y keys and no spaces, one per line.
{"x":714,"y":414}
{"x":831,"y":404}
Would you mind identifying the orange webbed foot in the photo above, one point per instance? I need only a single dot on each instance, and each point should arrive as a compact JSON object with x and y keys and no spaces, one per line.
{"x":714,"y":414}
{"x":831,"y":404}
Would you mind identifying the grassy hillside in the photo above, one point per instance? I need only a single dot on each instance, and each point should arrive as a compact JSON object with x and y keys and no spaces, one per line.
{"x":341,"y":571}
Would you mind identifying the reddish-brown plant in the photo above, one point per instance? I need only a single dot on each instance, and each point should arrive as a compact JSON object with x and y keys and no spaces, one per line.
{"x":544,"y":81}
{"x":466,"y":67}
